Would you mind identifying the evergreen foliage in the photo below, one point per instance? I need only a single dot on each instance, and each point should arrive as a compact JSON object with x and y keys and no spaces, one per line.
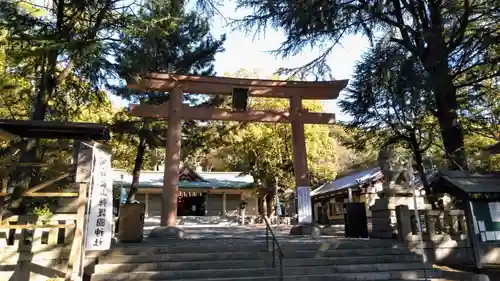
{"x":455,"y":42}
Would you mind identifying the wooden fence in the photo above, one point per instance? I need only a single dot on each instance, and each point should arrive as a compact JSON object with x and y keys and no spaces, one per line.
{"x":43,"y":247}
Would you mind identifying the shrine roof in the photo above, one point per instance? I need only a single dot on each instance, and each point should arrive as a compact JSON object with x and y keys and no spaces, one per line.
{"x":351,"y":180}
{"x":187,"y":179}
{"x":359,"y":178}
{"x":473,"y":182}
{"x":10,"y":129}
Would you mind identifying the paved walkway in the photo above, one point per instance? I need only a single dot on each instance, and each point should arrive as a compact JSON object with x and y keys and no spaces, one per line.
{"x":216,"y":231}
{"x":228,"y":229}
{"x":244,"y":232}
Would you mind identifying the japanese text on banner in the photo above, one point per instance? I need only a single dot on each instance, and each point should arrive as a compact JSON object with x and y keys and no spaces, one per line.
{"x":100,"y":221}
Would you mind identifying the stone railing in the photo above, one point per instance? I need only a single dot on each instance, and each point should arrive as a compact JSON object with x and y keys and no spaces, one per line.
{"x":444,"y":234}
{"x":436,"y":224}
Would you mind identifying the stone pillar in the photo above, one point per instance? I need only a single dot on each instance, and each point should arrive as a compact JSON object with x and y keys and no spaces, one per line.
{"x":146,"y":204}
{"x":403,"y":218}
{"x":256,"y":205}
{"x":170,"y":191}
{"x":384,"y":222}
{"x":223,"y":204}
{"x":480,"y":277}
{"x":242,"y":211}
{"x":205,"y":201}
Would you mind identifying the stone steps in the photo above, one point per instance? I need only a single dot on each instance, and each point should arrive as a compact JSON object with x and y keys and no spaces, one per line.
{"x":232,"y":260}
{"x":258,"y":263}
{"x":392,"y":271}
{"x":247,"y":245}
{"x":306,"y":259}
{"x":358,"y":277}
{"x":160,"y":255}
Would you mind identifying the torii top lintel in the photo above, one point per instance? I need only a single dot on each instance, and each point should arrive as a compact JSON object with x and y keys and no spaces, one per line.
{"x":225,"y":85}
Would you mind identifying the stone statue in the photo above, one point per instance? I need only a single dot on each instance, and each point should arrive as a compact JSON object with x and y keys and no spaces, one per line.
{"x":395,"y":171}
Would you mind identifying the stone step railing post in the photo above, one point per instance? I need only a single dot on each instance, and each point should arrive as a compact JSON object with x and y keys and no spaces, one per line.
{"x":430,"y":222}
{"x":403,"y":220}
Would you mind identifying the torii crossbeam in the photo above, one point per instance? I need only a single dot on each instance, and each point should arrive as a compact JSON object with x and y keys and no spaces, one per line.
{"x":240,"y":89}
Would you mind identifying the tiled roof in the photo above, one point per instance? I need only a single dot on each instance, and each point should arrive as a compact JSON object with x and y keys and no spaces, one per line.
{"x":154,"y":179}
{"x":360,"y":177}
{"x":473,"y":183}
{"x":348,"y":181}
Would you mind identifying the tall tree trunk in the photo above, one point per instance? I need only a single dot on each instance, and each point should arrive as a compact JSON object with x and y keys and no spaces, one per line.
{"x":421,"y":171}
{"x":262,"y":211}
{"x":431,"y":197}
{"x":139,"y":159}
{"x":269,"y":203}
{"x":451,"y":130}
{"x":21,"y":177}
{"x":435,"y":61}
{"x":419,"y":163}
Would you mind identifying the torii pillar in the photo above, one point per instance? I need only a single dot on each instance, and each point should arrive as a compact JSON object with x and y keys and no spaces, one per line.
{"x":304,"y":208}
{"x":175,"y":111}
{"x":170,"y":192}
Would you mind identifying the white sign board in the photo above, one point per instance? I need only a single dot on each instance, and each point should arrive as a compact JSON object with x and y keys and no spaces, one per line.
{"x":304,"y":207}
{"x":494,"y":211}
{"x":100,"y":219}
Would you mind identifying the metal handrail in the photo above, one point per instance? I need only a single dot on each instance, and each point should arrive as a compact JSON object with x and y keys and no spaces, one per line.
{"x":276,"y":244}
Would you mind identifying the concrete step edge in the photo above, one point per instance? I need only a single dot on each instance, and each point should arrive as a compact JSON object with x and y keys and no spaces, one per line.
{"x":337,"y":276}
{"x":250,"y":247}
{"x":244,"y":257}
{"x":261,"y":264}
{"x":415,"y":258}
{"x":173,"y":251}
{"x":391,"y":267}
{"x":281,"y":239}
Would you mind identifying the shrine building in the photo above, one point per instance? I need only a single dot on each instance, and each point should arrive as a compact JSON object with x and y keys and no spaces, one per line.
{"x":217,"y":194}
{"x":360,"y":186}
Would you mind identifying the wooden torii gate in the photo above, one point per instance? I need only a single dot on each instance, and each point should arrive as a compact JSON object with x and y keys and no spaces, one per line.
{"x":240,"y":89}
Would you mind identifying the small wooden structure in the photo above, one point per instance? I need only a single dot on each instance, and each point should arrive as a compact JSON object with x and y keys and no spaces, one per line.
{"x":240,"y":90}
{"x":480,"y":197}
{"x":52,"y":130}
{"x":32,"y":243}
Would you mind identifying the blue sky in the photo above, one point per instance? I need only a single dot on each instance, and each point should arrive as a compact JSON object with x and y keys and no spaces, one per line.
{"x":245,"y":51}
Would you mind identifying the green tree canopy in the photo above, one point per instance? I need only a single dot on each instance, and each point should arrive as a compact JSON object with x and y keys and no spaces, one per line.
{"x":388,"y":98}
{"x":451,"y":41}
{"x":162,"y":38}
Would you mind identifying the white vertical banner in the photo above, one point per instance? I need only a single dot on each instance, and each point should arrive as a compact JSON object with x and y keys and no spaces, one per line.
{"x":304,"y":205}
{"x":100,"y":220}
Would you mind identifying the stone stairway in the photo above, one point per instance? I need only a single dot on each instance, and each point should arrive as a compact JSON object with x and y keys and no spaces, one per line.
{"x":225,"y":259}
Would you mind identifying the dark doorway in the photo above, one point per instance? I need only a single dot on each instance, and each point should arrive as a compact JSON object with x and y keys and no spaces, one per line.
{"x":191,"y":206}
{"x":356,"y":223}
